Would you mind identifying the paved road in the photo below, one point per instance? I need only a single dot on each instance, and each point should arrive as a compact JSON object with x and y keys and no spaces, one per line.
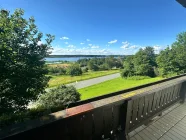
{"x":86,"y":83}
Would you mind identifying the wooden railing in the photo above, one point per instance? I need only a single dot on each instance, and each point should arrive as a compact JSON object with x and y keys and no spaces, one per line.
{"x":110,"y":118}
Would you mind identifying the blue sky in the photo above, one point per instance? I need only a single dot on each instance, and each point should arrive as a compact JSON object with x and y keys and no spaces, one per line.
{"x":105,"y":26}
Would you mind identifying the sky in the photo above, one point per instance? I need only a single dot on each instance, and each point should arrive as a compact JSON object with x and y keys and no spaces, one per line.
{"x":105,"y":27}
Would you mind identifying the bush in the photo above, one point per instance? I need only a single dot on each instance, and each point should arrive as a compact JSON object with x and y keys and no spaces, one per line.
{"x":52,"y":101}
{"x":74,"y":70}
{"x":103,"y":67}
{"x":57,"y":71}
{"x":126,"y":73}
{"x":58,"y":97}
{"x":85,"y":70}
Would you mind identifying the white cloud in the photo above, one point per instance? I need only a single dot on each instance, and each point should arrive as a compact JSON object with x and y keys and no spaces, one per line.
{"x":157,"y":49}
{"x":82,"y":43}
{"x":66,"y":42}
{"x":88,"y":40}
{"x":57,"y":50}
{"x":90,"y":44}
{"x":71,"y":46}
{"x":133,"y":46}
{"x":95,"y":47}
{"x":125,"y":45}
{"x":113,"y":41}
{"x":39,"y":43}
{"x":125,"y":42}
{"x":107,"y":45}
{"x":64,"y":38}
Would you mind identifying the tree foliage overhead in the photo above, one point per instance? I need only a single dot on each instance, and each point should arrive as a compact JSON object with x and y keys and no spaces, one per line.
{"x":22,"y":71}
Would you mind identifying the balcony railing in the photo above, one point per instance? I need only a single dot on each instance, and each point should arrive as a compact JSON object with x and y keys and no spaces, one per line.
{"x":110,"y":118}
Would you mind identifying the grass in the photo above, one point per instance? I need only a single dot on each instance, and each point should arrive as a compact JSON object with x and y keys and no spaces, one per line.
{"x":112,"y":86}
{"x":58,"y":65}
{"x":65,"y":79}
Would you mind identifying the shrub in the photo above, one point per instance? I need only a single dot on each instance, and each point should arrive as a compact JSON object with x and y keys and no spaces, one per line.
{"x":74,"y":70}
{"x":85,"y":70}
{"x":58,"y":97}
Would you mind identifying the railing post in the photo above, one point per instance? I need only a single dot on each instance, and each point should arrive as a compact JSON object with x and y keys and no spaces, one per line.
{"x":183,"y":92}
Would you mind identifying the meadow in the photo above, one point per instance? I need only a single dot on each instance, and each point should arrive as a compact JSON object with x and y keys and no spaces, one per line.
{"x":113,"y":86}
{"x":65,"y":79}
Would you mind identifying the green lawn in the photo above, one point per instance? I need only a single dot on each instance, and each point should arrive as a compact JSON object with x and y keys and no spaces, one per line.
{"x":64,"y":79}
{"x":112,"y":86}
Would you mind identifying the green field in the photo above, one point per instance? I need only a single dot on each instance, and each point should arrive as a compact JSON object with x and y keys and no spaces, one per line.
{"x":65,"y":79}
{"x":112,"y":86}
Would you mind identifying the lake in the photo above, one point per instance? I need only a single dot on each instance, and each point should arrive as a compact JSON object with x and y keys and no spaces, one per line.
{"x":71,"y":59}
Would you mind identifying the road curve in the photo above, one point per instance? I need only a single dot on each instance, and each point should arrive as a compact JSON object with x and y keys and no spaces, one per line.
{"x":90,"y":82}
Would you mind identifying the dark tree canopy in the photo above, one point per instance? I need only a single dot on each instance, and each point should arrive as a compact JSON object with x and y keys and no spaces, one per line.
{"x":22,"y":71}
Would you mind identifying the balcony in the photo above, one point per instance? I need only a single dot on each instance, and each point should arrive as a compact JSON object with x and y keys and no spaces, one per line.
{"x":149,"y":112}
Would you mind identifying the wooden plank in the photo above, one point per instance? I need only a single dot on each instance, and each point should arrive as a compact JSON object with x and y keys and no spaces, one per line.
{"x":107,"y":121}
{"x":154,"y":133}
{"x":132,"y":133}
{"x":159,"y":94}
{"x":166,"y":122}
{"x":167,"y":137}
{"x":160,"y":127}
{"x":166,"y":96}
{"x":161,"y":99}
{"x":137,"y":137}
{"x":179,"y":90}
{"x":118,"y":116}
{"x":87,"y":125}
{"x":145,"y":113}
{"x":143,"y":136}
{"x":154,"y":102}
{"x":181,"y":126}
{"x":133,"y":138}
{"x":175,"y":92}
{"x":150,"y":98}
{"x":162,"y":138}
{"x":176,"y":134}
{"x":165,"y":126}
{"x":137,"y":130}
{"x":181,"y":129}
{"x":129,"y":116}
{"x":150,"y":135}
{"x":179,"y":132}
{"x":98,"y":123}
{"x":169,"y":95}
{"x":135,"y":112}
{"x":163,"y":103}
{"x":159,"y":133}
{"x":169,"y":134}
{"x":141,"y":108}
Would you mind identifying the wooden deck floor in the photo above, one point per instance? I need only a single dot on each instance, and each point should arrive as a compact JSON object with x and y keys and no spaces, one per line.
{"x":170,"y":126}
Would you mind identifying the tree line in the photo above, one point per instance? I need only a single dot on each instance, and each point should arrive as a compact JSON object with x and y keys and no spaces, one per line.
{"x":86,"y":64}
{"x":169,"y":62}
